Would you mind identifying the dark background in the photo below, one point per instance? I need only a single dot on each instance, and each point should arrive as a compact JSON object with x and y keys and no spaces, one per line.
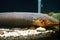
{"x":28,"y":6}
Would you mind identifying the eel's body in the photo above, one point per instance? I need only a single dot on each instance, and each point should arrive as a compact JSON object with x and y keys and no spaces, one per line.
{"x":21,"y":18}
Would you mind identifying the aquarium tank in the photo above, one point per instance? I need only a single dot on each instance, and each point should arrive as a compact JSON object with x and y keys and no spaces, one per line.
{"x":29,"y":19}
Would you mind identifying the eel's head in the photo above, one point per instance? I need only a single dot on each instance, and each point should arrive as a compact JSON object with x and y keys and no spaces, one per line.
{"x":46,"y":21}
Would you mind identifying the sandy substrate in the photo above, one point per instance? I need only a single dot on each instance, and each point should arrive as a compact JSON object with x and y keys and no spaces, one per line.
{"x":18,"y":34}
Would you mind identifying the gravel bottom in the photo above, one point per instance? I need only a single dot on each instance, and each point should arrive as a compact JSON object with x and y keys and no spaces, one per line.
{"x":42,"y":34}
